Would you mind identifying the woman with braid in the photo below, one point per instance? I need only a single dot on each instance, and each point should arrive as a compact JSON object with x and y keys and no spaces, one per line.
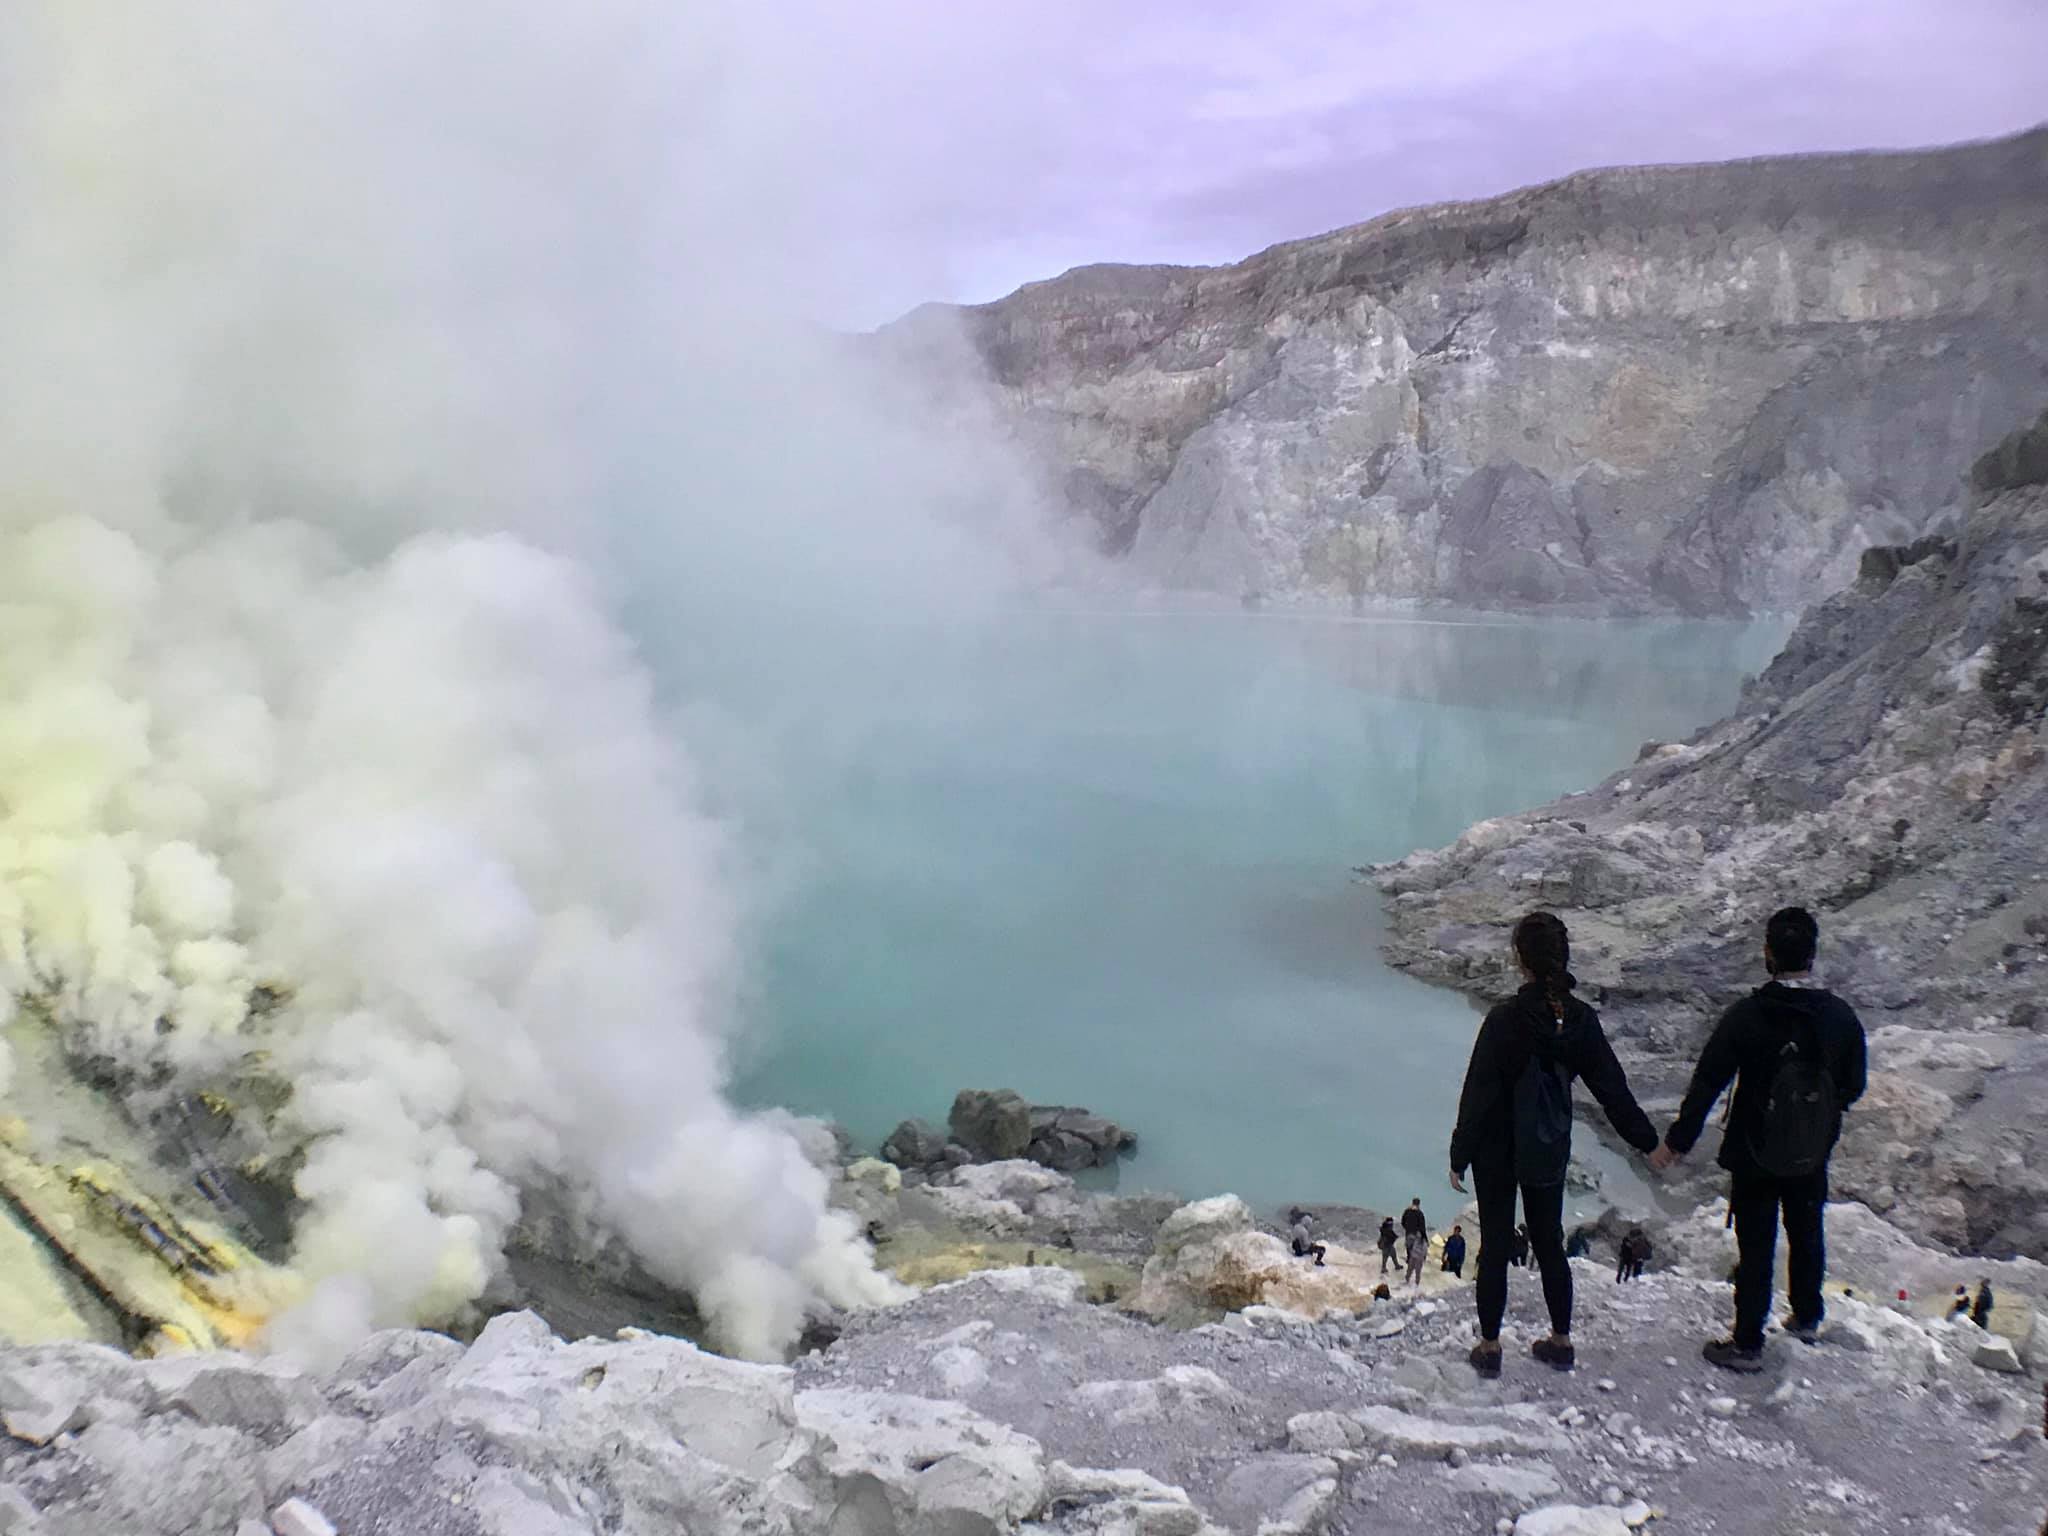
{"x":1514,"y":1130}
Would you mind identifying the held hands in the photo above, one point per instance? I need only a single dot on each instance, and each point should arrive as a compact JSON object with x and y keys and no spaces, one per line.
{"x":1663,"y":1157}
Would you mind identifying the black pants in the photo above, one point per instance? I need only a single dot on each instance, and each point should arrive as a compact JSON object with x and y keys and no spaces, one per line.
{"x":1543,"y":1210}
{"x":1757,"y":1203}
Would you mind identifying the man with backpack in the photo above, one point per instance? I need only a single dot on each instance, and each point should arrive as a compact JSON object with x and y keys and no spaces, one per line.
{"x":1387,"y":1241}
{"x":1454,"y":1252}
{"x":1796,"y":1054}
{"x":1635,"y":1253}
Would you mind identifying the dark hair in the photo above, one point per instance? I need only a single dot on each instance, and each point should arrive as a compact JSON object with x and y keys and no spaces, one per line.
{"x":1791,"y":936}
{"x":1543,"y":945}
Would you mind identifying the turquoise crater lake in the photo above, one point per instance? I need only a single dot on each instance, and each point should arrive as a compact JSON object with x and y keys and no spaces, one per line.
{"x":1106,"y":859}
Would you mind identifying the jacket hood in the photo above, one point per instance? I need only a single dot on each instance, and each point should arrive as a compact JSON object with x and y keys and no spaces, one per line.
{"x":1781,"y":1001}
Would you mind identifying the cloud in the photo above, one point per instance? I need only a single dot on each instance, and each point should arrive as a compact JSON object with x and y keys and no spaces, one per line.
{"x":989,"y":147}
{"x":388,"y":392}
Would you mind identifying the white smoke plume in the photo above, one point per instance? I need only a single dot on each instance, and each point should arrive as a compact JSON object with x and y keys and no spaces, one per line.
{"x":357,"y":366}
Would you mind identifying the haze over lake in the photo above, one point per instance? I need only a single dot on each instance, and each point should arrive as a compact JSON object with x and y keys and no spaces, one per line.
{"x":1106,"y":859}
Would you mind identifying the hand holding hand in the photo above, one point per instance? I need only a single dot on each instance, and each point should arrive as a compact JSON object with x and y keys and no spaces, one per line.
{"x":1458,"y":1180}
{"x":1663,"y":1157}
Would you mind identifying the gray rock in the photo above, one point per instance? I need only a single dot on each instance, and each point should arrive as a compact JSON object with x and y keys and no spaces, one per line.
{"x":266,"y":1398}
{"x":1284,"y":1491}
{"x":924,"y":1465}
{"x":1323,"y":1433}
{"x":1399,"y":1431}
{"x":18,"y":1515}
{"x":1520,"y":1485}
{"x":915,"y":1144}
{"x":1996,"y":1354}
{"x":1572,"y":1520}
{"x":38,"y":1422}
{"x":1072,"y":1139}
{"x":994,"y":1125}
{"x":1121,"y":1503}
{"x":295,"y":1517}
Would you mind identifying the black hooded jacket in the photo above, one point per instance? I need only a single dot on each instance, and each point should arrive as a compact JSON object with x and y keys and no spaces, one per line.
{"x":1513,"y":1031}
{"x":1746,"y":1046}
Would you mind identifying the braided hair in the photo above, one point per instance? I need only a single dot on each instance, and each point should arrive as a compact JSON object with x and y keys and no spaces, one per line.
{"x":1545,"y":948}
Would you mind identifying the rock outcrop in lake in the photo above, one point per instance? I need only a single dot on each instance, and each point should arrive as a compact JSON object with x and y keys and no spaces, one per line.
{"x":1889,"y":771}
{"x":1701,"y":389}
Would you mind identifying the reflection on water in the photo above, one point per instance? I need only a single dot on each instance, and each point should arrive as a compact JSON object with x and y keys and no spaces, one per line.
{"x":1106,"y":859}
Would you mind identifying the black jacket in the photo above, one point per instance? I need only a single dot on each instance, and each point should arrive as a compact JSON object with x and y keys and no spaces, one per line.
{"x":1512,"y":1032}
{"x":1414,"y":1223}
{"x":1746,"y":1046}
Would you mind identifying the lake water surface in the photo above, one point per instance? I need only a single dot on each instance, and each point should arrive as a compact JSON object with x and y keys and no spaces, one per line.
{"x":1106,"y":859}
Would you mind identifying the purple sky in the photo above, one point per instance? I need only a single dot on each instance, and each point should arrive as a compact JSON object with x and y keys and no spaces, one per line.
{"x":957,"y":150}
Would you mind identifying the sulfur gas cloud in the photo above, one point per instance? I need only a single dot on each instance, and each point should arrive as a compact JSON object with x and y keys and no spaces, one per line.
{"x":380,"y":387}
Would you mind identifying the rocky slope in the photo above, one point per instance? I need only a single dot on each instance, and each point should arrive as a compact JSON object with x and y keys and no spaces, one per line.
{"x":1695,"y":388}
{"x":1889,"y":770}
{"x":1002,"y":1404}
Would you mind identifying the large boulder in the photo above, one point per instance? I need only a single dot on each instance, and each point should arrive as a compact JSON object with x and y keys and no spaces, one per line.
{"x":995,"y":1125}
{"x":1209,"y":1257}
{"x":1071,"y":1139}
{"x":915,"y":1144}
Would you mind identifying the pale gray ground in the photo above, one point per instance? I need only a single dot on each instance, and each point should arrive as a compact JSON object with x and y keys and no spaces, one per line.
{"x":979,"y":1409}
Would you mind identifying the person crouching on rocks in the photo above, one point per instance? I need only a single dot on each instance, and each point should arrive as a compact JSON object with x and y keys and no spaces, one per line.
{"x":1303,"y":1237}
{"x":1797,"y":1056}
{"x":1514,"y":1130}
{"x":1387,"y":1241}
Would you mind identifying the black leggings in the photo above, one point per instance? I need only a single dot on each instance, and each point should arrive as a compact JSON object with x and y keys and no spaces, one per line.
{"x":1543,"y":1210}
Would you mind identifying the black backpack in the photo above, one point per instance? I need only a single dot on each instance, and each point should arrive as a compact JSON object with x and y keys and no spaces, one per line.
{"x":1543,"y":1122}
{"x":1802,"y":1113}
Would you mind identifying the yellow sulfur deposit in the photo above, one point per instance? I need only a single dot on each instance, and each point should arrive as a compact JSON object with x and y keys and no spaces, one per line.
{"x":84,"y":1234}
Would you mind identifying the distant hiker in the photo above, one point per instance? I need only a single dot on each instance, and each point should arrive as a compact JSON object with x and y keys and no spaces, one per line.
{"x":1980,"y":1309}
{"x":1796,"y":1054}
{"x":1960,"y":1307}
{"x":1388,"y":1238}
{"x":1515,"y":1130}
{"x":1521,"y":1254}
{"x":1635,"y":1253}
{"x":1413,"y":1222}
{"x":1303,"y":1237}
{"x":1578,"y":1244}
{"x":1418,"y":1256}
{"x":1454,"y":1253}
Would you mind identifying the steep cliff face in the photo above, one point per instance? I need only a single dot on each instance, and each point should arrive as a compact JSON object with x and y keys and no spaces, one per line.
{"x":1701,"y":388}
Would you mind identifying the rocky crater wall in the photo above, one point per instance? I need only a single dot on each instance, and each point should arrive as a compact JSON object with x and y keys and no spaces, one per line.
{"x":1702,"y":389}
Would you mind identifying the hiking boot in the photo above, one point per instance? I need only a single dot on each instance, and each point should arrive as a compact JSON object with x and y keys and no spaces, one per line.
{"x":1731,"y":1356}
{"x":1805,"y":1333}
{"x":1555,"y":1352}
{"x":1485,"y":1358}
